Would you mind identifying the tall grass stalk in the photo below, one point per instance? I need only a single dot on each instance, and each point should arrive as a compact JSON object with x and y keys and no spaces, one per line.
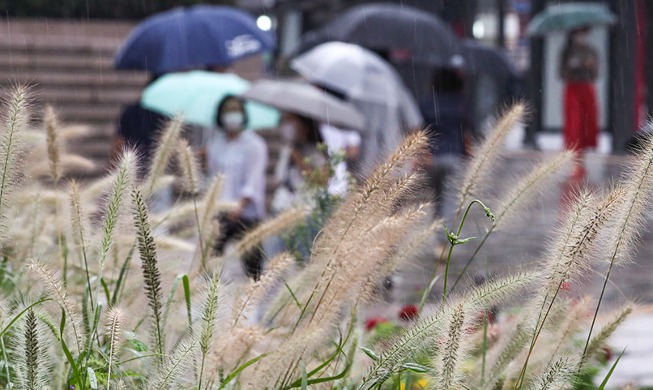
{"x":209,"y":315}
{"x":639,"y":192}
{"x":15,"y":120}
{"x":151,"y":274}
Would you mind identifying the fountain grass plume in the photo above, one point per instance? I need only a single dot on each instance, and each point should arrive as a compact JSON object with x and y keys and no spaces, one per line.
{"x":53,"y":285}
{"x":363,"y":203}
{"x":14,"y":123}
{"x":189,"y":167}
{"x":30,"y":355}
{"x":79,"y":228}
{"x":115,"y":320}
{"x":556,"y":376}
{"x":53,"y":146}
{"x":123,"y":178}
{"x":151,"y":273}
{"x":486,"y":157}
{"x":208,"y":321}
{"x":523,"y":192}
{"x":166,"y":146}
{"x":258,"y":290}
{"x":500,"y":357}
{"x":629,"y":221}
{"x":600,"y":339}
{"x":168,"y":373}
{"x":570,"y":254}
{"x":270,"y":228}
{"x":449,"y":360}
{"x":432,"y":325}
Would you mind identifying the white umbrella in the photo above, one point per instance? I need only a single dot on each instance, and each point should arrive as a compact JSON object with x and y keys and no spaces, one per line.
{"x":351,"y":70}
{"x":307,"y":100}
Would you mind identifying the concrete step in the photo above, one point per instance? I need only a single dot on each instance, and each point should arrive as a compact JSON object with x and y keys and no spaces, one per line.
{"x":108,"y":79}
{"x":57,"y":61}
{"x":95,"y":96}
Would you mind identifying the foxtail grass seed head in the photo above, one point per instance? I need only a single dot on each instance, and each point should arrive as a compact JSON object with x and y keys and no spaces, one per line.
{"x":151,"y":273}
{"x":14,"y":124}
{"x":51,"y":129}
{"x":629,"y":221}
{"x":30,"y":355}
{"x":165,"y":148}
{"x":189,"y":167}
{"x":487,"y":155}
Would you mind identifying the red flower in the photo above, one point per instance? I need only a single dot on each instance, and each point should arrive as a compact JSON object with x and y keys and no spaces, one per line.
{"x":565,"y":286}
{"x":371,"y":323}
{"x":408,"y":312}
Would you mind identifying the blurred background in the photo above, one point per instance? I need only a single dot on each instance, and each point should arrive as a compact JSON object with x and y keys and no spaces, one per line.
{"x":66,"y":49}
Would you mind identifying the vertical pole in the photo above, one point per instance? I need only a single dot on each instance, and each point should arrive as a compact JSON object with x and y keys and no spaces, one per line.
{"x":648,"y":56}
{"x":533,"y":81}
{"x":621,"y":114}
{"x":501,"y":25}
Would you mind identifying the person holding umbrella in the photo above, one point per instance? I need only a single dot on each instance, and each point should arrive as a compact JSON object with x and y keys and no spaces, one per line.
{"x":241,"y":157}
{"x":579,"y":69}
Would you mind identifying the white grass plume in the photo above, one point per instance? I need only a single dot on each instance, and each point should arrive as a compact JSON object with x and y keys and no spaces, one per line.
{"x":522,"y":193}
{"x":601,"y":338}
{"x":629,"y":221}
{"x":14,"y":123}
{"x":481,"y":166}
{"x":114,"y":326}
{"x":122,"y":180}
{"x":151,"y":273}
{"x":168,"y":373}
{"x":448,"y":363}
{"x":52,"y":283}
{"x":279,"y":224}
{"x":208,"y":320}
{"x":556,"y":376}
{"x":53,"y":146}
{"x":30,"y":355}
{"x":189,"y":167}
{"x":428,"y":327}
{"x":161,"y":156}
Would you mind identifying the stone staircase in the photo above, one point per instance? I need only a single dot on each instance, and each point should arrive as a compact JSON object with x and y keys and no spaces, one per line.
{"x":69,"y":66}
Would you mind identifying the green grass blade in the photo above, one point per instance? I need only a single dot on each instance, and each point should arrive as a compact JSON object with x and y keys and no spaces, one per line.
{"x":238,"y":370}
{"x":609,"y":374}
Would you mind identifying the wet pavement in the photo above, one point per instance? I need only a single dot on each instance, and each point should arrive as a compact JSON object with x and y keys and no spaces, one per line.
{"x":522,"y":244}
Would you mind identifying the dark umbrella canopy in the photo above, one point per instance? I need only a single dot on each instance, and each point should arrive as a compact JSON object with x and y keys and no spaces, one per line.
{"x":492,"y":80}
{"x":191,"y":38}
{"x":397,"y":30}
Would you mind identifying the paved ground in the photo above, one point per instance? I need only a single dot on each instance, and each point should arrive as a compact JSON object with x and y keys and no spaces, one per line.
{"x":507,"y":250}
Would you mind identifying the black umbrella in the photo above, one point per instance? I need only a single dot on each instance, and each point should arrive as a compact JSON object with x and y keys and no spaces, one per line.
{"x":492,"y":77}
{"x":392,"y":30}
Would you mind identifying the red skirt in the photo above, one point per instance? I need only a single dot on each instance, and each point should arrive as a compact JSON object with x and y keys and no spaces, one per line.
{"x":581,"y":127}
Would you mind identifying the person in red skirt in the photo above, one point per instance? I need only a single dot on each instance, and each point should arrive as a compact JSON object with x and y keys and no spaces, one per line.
{"x":579,"y":69}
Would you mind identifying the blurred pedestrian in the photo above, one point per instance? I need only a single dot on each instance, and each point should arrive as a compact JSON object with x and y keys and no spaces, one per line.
{"x":302,"y":163}
{"x":449,"y":127}
{"x":241,"y":157}
{"x":579,"y":69}
{"x":137,"y":127}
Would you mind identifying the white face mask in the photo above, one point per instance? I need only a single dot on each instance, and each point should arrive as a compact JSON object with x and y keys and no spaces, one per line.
{"x":288,"y":132}
{"x":233,"y":120}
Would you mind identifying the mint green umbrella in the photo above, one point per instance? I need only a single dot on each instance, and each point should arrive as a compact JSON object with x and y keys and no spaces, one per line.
{"x":196,"y":95}
{"x":569,"y":16}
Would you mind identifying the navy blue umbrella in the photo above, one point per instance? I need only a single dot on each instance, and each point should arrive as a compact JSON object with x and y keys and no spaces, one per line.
{"x":191,"y":38}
